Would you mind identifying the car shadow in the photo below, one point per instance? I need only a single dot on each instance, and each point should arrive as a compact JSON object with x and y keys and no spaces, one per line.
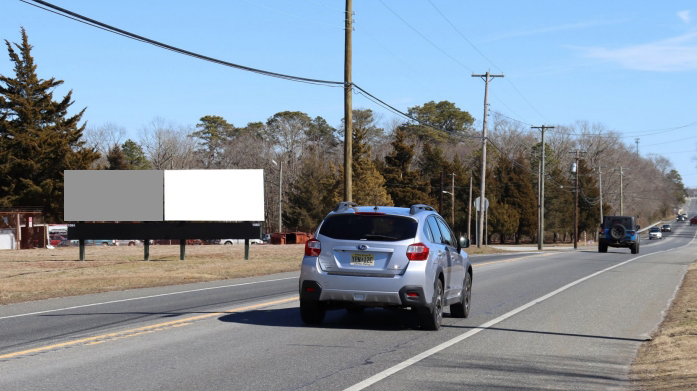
{"x":374,"y":319}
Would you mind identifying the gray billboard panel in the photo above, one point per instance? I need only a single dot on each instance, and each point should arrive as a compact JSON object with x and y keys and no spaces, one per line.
{"x":104,"y":195}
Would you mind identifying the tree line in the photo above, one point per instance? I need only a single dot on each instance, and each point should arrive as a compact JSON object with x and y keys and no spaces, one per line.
{"x":395,"y":162}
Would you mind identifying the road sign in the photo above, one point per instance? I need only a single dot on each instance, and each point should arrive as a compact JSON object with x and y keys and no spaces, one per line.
{"x":486,"y":204}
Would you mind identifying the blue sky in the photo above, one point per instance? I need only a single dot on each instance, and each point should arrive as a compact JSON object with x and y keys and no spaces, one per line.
{"x":631,"y":65}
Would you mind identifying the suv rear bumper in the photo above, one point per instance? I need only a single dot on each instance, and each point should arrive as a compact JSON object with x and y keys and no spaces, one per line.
{"x":616,"y":243}
{"x":369,"y":291}
{"x":408,"y":296}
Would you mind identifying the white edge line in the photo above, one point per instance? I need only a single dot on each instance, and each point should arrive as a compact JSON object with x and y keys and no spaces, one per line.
{"x":144,"y":297}
{"x":404,"y":364}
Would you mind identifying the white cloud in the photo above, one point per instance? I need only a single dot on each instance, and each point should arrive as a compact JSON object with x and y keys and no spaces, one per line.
{"x":553,"y":29}
{"x":670,"y":55}
{"x":685,"y":16}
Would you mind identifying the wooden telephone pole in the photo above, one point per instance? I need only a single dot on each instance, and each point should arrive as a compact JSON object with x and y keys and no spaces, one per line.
{"x":348,"y":105}
{"x":487,"y":78}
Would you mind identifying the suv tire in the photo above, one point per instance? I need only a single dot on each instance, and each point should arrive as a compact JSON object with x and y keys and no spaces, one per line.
{"x":312,"y":311}
{"x":617,"y":232}
{"x":635,"y":248}
{"x":462,"y":309}
{"x":431,"y":318}
{"x":602,"y":247}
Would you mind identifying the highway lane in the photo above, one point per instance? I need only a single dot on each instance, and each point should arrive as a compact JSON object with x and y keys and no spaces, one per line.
{"x":30,"y":325}
{"x":581,"y":338}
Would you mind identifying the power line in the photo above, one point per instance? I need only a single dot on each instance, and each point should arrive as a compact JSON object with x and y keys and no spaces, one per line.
{"x":424,"y":37}
{"x":490,"y":62}
{"x":384,"y":104}
{"x":94,"y":23}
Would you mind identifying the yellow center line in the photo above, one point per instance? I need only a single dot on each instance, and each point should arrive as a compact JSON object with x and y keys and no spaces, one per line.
{"x":511,"y":259}
{"x":143,"y":330}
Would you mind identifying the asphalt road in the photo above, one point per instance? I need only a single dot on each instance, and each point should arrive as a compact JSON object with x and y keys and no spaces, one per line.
{"x":553,"y":320}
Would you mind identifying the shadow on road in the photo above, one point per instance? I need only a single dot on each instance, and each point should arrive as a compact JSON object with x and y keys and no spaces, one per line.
{"x":370,"y":319}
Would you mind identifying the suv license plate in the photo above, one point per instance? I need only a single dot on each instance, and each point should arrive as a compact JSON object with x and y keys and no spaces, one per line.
{"x":362,"y":260}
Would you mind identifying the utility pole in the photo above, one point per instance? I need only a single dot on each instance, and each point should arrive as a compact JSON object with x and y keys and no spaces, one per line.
{"x":541,"y":225}
{"x":487,"y":78}
{"x":636,"y":140}
{"x":600,"y":187}
{"x":469,"y":211}
{"x":348,"y":104}
{"x":452,"y":199}
{"x":440,"y":200}
{"x":280,"y":192}
{"x":577,"y":152}
{"x":576,"y":207}
{"x":621,"y":192}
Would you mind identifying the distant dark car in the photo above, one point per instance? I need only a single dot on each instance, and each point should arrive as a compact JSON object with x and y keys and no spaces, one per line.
{"x":693,"y":221}
{"x":666,"y":228}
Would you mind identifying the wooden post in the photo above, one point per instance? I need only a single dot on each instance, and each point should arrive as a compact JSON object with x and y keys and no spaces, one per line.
{"x":246,"y":249}
{"x":182,"y":249}
{"x":146,"y":249}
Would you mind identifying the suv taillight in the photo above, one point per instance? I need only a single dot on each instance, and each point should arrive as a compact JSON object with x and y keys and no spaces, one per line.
{"x":417,"y":252}
{"x":313,"y":247}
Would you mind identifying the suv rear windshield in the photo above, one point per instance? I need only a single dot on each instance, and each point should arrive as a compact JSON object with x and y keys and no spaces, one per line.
{"x":367,"y":227}
{"x":609,"y":221}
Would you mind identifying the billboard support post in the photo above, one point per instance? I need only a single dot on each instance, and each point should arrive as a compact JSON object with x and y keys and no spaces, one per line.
{"x":246,"y":249}
{"x":182,"y":249}
{"x":146,"y":250}
{"x":82,"y":249}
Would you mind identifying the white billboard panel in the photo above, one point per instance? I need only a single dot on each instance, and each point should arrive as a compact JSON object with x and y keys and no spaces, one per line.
{"x":105,"y":195}
{"x":214,"y":195}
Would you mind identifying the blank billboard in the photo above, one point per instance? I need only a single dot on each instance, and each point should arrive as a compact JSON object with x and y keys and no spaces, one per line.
{"x":104,"y":195}
{"x":214,"y":195}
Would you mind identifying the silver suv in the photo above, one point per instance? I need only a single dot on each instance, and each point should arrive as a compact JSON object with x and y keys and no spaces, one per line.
{"x":379,"y":256}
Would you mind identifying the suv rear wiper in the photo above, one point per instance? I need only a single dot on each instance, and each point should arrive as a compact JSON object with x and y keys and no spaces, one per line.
{"x":376,"y":236}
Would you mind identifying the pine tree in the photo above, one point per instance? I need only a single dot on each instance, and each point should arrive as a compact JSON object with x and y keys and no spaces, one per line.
{"x":588,"y":198}
{"x":116,"y":159}
{"x":368,"y":183}
{"x":405,"y":187}
{"x":213,"y":132}
{"x":38,"y":140}
{"x":134,"y":155}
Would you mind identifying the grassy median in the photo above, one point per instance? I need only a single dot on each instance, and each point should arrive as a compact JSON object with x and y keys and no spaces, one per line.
{"x":669,"y":360}
{"x":42,"y":274}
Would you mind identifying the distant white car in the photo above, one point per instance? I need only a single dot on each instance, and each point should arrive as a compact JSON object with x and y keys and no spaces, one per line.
{"x":655,"y":233}
{"x":129,"y":242}
{"x":230,"y":242}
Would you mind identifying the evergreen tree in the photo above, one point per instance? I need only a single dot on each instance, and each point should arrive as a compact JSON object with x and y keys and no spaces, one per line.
{"x":588,"y":198}
{"x":431,"y":164}
{"x":116,"y":159}
{"x":368,"y":183}
{"x":446,"y":120}
{"x":134,"y":155}
{"x":306,"y":203}
{"x":404,"y":186}
{"x":523,"y":198}
{"x":213,"y":131}
{"x":38,"y":140}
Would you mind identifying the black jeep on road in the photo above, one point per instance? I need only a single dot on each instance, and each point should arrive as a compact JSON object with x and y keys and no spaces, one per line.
{"x":619,"y":231}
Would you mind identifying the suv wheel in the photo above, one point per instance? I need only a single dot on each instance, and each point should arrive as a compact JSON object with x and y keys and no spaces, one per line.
{"x":312,"y":311}
{"x":431,"y":318}
{"x":462,"y":309}
{"x":602,"y":248}
{"x":635,"y":248}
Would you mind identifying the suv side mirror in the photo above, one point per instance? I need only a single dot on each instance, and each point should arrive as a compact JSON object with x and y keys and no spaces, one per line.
{"x":638,"y":227}
{"x":464,"y":242}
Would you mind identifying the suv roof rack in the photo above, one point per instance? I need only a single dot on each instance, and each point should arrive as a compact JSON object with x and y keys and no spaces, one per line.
{"x":416,"y":208}
{"x":344,"y":205}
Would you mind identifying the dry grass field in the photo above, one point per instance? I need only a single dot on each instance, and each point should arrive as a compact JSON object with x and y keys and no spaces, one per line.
{"x":669,"y":360}
{"x":41,"y":274}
